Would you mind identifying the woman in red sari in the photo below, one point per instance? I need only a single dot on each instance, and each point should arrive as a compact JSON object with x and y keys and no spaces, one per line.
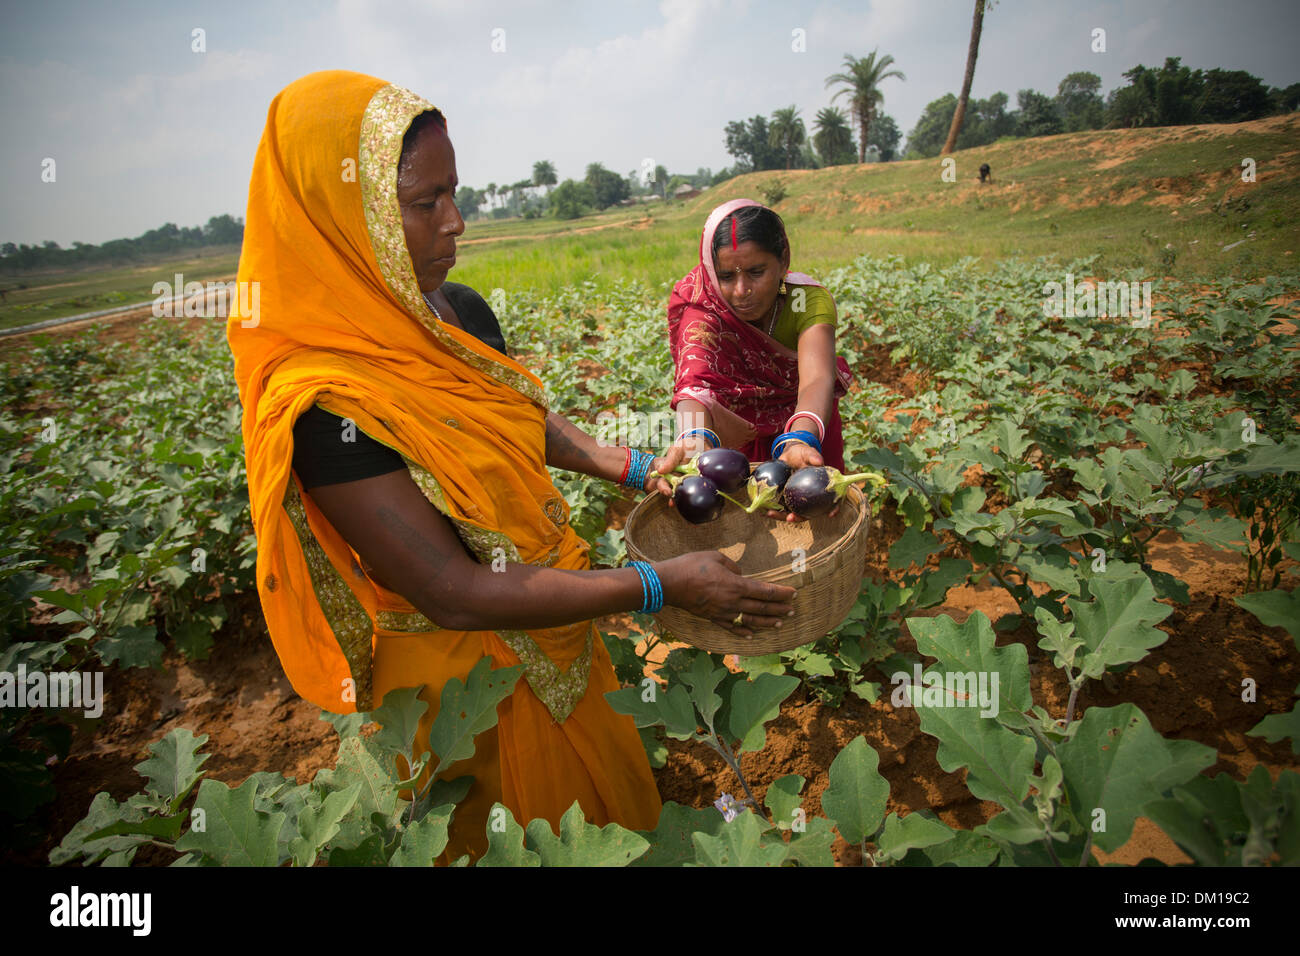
{"x":754,"y":346}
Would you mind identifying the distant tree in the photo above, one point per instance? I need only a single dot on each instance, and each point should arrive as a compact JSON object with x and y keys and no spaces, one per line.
{"x":986,"y":121}
{"x":544,"y":174}
{"x":832,"y":137}
{"x":1077,"y":102}
{"x":786,"y":135}
{"x":751,"y":143}
{"x":491,"y":194}
{"x":927,"y":136}
{"x":861,"y":83}
{"x":607,"y":187}
{"x":885,"y":137}
{"x":1036,"y":115}
{"x":972,"y":51}
{"x":467,"y":201}
{"x":224,"y":230}
{"x":660,"y":185}
{"x":571,"y":199}
{"x":1232,"y":96}
{"x":1168,"y":96}
{"x":1285,"y":100}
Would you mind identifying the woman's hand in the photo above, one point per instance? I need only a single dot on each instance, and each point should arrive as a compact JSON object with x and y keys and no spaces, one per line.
{"x":664,"y":465}
{"x":709,"y":585}
{"x":798,"y":455}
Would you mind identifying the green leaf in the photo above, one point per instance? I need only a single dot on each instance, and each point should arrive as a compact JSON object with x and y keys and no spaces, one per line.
{"x":131,"y":646}
{"x":399,"y":719}
{"x":814,"y":665}
{"x":671,"y":707}
{"x":1275,"y":727}
{"x":1117,"y":763}
{"x":966,"y":848}
{"x":173,"y":770}
{"x":361,"y":763}
{"x":469,"y":709}
{"x":935,"y":583}
{"x":425,"y":839}
{"x":913,"y":831}
{"x":317,"y":825}
{"x":914,"y":547}
{"x":782,"y":798}
{"x":763,"y":664}
{"x":813,"y":846}
{"x":1116,"y":627}
{"x":702,"y":678}
{"x":1275,"y":609}
{"x":739,"y":843}
{"x":969,"y":649}
{"x":584,"y":844}
{"x":506,"y":841}
{"x":103,"y":813}
{"x":1058,"y":637}
{"x":670,"y":841}
{"x":234,"y":833}
{"x":656,"y":750}
{"x":754,"y":703}
{"x":855,"y":798}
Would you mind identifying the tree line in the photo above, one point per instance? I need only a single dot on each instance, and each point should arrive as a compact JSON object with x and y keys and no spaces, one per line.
{"x":167,"y":239}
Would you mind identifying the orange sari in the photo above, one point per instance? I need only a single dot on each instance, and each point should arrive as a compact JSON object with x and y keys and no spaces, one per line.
{"x":332,"y":314}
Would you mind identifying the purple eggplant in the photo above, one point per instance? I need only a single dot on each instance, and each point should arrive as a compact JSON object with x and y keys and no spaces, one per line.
{"x":816,"y":491}
{"x":766,"y":484}
{"x":697,"y":499}
{"x":725,"y":467}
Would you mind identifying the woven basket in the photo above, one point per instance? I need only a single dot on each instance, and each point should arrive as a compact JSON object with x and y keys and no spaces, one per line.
{"x":834,"y":549}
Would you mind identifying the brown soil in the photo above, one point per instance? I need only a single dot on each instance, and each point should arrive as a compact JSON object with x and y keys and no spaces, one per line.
{"x":1189,"y":688}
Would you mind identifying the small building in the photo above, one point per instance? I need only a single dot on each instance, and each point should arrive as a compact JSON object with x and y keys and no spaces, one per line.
{"x":685,"y":191}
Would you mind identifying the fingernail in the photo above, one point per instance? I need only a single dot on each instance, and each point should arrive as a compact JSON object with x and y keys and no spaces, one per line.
{"x":791,"y":614}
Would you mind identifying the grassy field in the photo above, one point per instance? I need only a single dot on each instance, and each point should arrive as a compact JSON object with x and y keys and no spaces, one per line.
{"x":1147,"y":203}
{"x":54,"y":295}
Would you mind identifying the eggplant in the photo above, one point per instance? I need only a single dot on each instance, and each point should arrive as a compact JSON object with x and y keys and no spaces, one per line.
{"x":698,"y":500}
{"x":766,"y":484}
{"x":725,"y":467}
{"x":816,"y":491}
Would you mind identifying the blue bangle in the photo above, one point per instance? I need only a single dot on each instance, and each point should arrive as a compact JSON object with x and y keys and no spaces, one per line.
{"x":652,"y":590}
{"x":709,"y":435}
{"x":638,"y":470}
{"x":808,"y":438}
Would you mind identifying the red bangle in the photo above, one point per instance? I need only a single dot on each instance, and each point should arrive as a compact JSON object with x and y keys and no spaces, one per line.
{"x":626,"y":465}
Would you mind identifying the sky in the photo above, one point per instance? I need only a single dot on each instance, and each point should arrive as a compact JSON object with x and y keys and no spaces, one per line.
{"x":145,"y":130}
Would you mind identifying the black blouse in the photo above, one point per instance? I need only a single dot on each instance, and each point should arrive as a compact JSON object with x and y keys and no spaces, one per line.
{"x":322,"y":457}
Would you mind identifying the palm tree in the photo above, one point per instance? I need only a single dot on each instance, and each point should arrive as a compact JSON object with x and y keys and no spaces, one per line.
{"x":977,"y":24}
{"x":833,"y":138}
{"x":787,"y":134}
{"x":544,"y":174}
{"x":491,"y":194}
{"x":861,"y":82}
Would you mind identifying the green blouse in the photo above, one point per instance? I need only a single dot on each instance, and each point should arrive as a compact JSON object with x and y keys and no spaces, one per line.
{"x":817,"y":308}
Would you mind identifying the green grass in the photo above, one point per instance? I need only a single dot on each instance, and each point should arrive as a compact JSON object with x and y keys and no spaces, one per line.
{"x":54,"y":295}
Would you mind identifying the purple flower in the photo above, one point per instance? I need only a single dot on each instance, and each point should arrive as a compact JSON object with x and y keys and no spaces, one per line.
{"x":728,"y":806}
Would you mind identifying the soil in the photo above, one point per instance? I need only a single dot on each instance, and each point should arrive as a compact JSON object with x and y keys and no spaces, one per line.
{"x":1189,"y":688}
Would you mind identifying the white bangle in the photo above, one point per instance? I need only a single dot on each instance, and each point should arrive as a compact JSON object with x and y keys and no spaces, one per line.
{"x":821,"y":426}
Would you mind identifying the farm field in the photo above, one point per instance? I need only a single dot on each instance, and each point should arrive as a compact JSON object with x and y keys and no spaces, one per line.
{"x":1101,"y":510}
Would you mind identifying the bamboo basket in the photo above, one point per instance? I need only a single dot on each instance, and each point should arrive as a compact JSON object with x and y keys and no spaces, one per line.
{"x":828,"y":584}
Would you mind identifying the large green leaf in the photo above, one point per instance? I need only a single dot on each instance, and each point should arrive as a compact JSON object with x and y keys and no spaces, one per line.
{"x":131,"y":646}
{"x":424,"y":839}
{"x":913,"y":831}
{"x":1276,"y":727}
{"x":173,"y":770}
{"x":670,"y":706}
{"x":739,"y":843}
{"x":104,"y":812}
{"x":914,"y":547}
{"x":584,"y":844}
{"x":856,"y":796}
{"x":1117,"y":763}
{"x":399,"y":719}
{"x":469,"y":709}
{"x":506,"y":841}
{"x":754,"y":703}
{"x":782,"y":799}
{"x":318,"y":824}
{"x":1219,"y":821}
{"x":966,"y":848}
{"x":1116,"y":627}
{"x":703,"y":678}
{"x":234,"y":833}
{"x":969,"y":648}
{"x":812,"y":847}
{"x":670,"y":841}
{"x":1275,"y":609}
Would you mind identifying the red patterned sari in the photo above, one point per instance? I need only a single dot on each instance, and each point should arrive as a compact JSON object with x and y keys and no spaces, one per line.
{"x":747,"y":380}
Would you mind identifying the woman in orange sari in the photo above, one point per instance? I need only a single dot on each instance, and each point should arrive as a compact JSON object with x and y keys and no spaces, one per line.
{"x":374,"y":577}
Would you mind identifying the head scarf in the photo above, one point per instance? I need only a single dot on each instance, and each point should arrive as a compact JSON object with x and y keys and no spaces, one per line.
{"x":337,"y":318}
{"x":747,"y":380}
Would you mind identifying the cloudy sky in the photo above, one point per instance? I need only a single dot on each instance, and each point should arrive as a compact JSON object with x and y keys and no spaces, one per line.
{"x":144,"y":130}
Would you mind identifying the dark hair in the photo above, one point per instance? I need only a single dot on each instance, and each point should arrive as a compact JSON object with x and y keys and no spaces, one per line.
{"x":756,"y":224}
{"x":418,"y":125}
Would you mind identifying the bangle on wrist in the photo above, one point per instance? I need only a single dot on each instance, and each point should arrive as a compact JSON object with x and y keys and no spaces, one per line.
{"x":708,"y":434}
{"x":627,"y":463}
{"x":808,"y":438}
{"x":652,"y":589}
{"x":821,"y":425}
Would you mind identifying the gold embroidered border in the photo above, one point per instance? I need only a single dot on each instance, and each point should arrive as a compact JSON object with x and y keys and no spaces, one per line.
{"x":346,"y":617}
{"x":559,"y":690}
{"x":388,"y":114}
{"x":406,"y":621}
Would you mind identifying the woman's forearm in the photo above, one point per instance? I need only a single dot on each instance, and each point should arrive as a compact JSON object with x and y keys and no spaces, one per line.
{"x":570,"y":448}
{"x":692,"y":414}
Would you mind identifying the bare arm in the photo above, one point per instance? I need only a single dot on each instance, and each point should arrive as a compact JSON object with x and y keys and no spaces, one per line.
{"x":570,"y":448}
{"x":816,"y":390}
{"x":415,"y":550}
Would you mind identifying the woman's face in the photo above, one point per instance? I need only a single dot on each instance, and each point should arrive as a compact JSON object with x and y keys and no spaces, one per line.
{"x":426,"y":191}
{"x":749,"y":277}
